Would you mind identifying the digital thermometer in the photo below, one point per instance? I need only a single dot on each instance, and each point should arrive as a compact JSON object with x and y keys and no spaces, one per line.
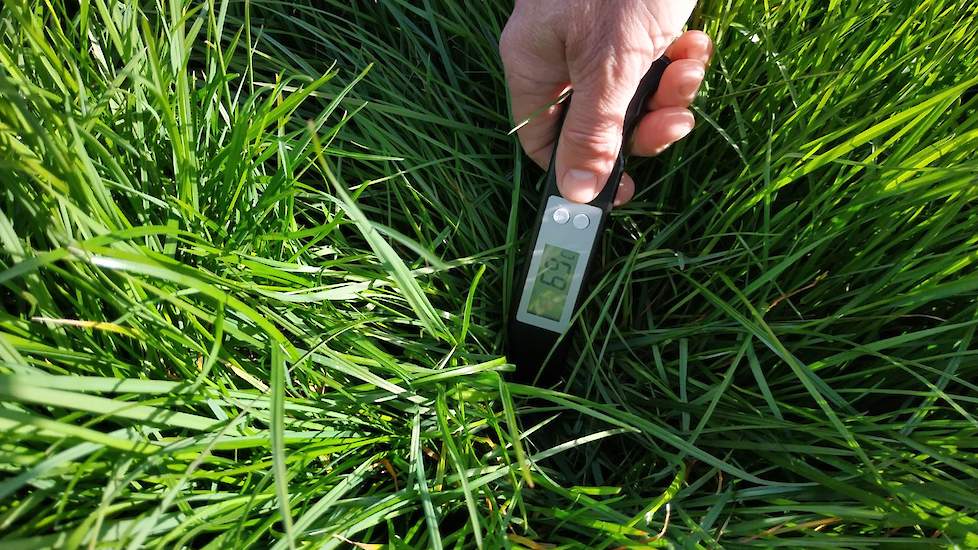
{"x":565,"y":241}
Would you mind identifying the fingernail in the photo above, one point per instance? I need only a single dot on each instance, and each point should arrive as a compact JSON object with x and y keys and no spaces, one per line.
{"x":579,"y":185}
{"x":706,"y":46}
{"x":623,"y":194}
{"x":691,"y":82}
{"x":680,"y":125}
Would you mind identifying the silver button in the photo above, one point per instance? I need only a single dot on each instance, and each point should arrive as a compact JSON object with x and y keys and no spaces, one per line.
{"x":581,"y":221}
{"x":561,"y":215}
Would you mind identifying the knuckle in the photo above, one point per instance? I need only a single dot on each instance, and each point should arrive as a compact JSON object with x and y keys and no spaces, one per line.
{"x":598,"y":140}
{"x":509,"y":44}
{"x":609,"y":55}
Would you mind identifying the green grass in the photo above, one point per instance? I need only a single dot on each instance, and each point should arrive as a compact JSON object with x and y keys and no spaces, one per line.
{"x":255,"y":259}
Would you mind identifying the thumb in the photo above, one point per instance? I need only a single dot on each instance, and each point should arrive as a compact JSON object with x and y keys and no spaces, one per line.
{"x":591,"y":136}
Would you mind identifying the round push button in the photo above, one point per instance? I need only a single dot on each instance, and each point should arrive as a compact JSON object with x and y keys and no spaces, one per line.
{"x":561,"y":215}
{"x":581,"y":221}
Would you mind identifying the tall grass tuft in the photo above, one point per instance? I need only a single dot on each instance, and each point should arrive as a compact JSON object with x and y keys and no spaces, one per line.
{"x":255,"y":262}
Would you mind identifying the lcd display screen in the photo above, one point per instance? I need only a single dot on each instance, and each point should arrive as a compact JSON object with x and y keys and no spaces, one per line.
{"x":553,"y":282}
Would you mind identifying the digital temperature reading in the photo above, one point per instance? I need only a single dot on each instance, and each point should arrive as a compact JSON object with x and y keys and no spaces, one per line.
{"x":553,"y":281}
{"x":557,"y":265}
{"x":562,"y":253}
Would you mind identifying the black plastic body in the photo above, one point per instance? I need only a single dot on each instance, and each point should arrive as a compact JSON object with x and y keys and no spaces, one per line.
{"x":540,"y":354}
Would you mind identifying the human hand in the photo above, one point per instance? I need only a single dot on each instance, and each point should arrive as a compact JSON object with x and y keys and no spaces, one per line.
{"x":600,"y":49}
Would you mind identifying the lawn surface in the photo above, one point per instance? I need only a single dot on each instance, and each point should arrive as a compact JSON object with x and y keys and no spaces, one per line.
{"x":255,"y":259}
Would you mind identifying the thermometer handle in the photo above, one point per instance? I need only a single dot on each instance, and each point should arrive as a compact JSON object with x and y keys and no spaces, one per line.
{"x":530,"y":346}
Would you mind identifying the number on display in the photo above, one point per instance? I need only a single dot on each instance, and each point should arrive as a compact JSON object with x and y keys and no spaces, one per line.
{"x":559,"y":269}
